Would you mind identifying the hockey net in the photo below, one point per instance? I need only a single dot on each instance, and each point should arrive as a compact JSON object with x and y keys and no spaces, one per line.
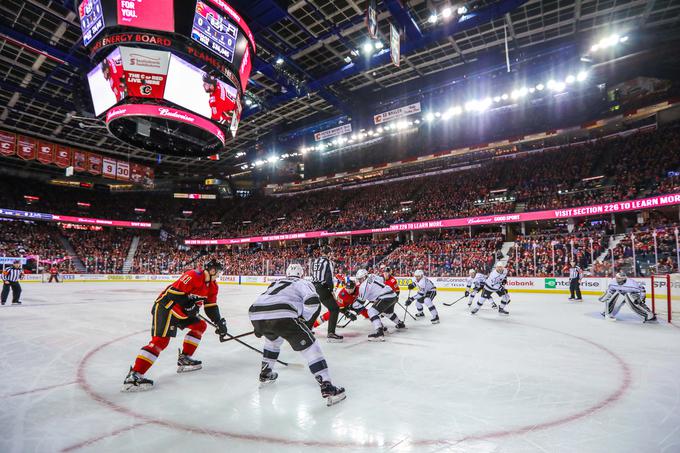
{"x":665,"y":296}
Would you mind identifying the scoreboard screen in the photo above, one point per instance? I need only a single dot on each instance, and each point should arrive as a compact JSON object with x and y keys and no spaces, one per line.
{"x":213,"y":30}
{"x":91,"y":19}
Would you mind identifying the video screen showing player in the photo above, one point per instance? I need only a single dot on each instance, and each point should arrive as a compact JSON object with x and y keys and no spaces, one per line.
{"x":221,"y":103}
{"x":107,"y":83}
{"x":199,"y":92}
{"x":112,"y":69}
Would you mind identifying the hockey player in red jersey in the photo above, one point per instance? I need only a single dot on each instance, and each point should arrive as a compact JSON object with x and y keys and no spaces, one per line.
{"x":221,"y":105}
{"x":177,"y":307}
{"x":390,"y":280}
{"x":345,"y":299}
{"x":113,"y":73}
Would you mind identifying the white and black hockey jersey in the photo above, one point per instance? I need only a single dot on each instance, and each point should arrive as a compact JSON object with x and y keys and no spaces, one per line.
{"x":290,"y":297}
{"x":494,"y":282}
{"x":475,"y":282}
{"x":425,"y":288}
{"x":629,"y":287}
{"x":374,"y":289}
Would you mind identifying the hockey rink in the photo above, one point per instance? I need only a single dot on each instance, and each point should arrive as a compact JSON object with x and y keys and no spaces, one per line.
{"x":552,"y":377}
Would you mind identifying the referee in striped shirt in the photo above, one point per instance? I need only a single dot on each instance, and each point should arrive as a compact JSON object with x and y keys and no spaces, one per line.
{"x":10,"y":279}
{"x":322,"y":277}
{"x":575,"y":275}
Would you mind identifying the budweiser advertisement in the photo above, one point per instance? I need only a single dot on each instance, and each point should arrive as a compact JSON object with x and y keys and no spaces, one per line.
{"x":582,"y":211}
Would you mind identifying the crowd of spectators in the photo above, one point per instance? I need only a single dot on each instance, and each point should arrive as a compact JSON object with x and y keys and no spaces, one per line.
{"x":577,"y":174}
{"x":37,"y":242}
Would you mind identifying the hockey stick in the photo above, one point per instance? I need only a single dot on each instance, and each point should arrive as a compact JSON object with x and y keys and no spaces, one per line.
{"x":405,"y":309}
{"x":223,"y":340}
{"x":231,"y":337}
{"x":457,"y":300}
{"x":406,"y":312}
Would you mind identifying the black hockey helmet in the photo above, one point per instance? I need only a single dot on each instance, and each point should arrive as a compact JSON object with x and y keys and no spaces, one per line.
{"x":213,"y":264}
{"x":207,"y":78}
{"x":351,"y":285}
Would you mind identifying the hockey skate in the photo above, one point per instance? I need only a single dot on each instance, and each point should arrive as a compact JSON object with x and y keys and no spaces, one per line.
{"x":493,"y":305}
{"x":267,"y":376}
{"x":185,"y":363}
{"x":400,"y":326}
{"x":503,"y":311}
{"x":135,"y":382}
{"x":435,"y":320}
{"x":331,"y":393}
{"x":420,"y":314}
{"x":377,"y":336}
{"x":652,"y":319}
{"x":334,"y":338}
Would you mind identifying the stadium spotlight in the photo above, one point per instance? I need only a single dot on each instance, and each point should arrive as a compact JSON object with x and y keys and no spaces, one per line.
{"x":347,"y":59}
{"x":457,"y":110}
{"x":532,"y":90}
{"x":368,"y":48}
{"x":279,"y":61}
{"x":570,"y":79}
{"x":416,"y":122}
{"x":581,"y":76}
{"x":560,"y":86}
{"x":249,"y":102}
{"x":462,"y":10}
{"x":437,"y":114}
{"x":379,"y":45}
{"x":623,"y":39}
{"x":380,"y":130}
{"x":447,"y":115}
{"x":505,"y":96}
{"x":470,"y":105}
{"x":429,"y":117}
{"x":514,"y":94}
{"x":540,"y":87}
{"x":523,"y":91}
{"x":433,"y":18}
{"x":446,"y":12}
{"x":551,"y":84}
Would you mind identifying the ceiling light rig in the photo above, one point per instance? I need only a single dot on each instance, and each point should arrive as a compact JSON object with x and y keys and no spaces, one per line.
{"x":518,"y":94}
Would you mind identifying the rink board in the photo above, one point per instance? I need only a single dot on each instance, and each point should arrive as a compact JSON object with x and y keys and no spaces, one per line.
{"x":547,"y":285}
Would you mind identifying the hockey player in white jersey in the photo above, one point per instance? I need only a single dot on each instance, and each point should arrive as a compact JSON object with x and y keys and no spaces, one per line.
{"x":621,"y":290}
{"x":425,"y":296}
{"x":284,"y":312}
{"x":372,"y":289}
{"x":495,"y":283}
{"x":473,"y":285}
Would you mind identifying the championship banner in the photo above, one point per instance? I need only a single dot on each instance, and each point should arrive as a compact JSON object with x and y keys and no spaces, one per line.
{"x":63,"y":156}
{"x":123,"y":171}
{"x":329,"y":133}
{"x":148,"y":174}
{"x":372,"y":19}
{"x":395,"y":45}
{"x":26,"y":147}
{"x":79,"y":160}
{"x":94,"y":164}
{"x":145,"y":71}
{"x":8,"y":142}
{"x":109,"y":168}
{"x":395,"y":114}
{"x":46,"y":152}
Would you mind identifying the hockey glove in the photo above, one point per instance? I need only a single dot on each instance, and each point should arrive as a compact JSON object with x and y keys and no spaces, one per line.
{"x":195,"y":298}
{"x":191,"y":309}
{"x":349,"y":315}
{"x":409,"y":301}
{"x":467,"y":293}
{"x":411,"y":286}
{"x":221,"y":328}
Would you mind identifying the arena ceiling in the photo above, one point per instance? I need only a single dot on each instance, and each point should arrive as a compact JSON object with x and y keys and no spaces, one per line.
{"x":305,"y":77}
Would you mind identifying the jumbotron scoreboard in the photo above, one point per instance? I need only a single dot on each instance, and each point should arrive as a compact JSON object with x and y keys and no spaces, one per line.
{"x":168,"y":76}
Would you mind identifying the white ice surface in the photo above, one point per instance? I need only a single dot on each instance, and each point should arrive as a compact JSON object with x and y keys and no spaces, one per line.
{"x":552,"y":377}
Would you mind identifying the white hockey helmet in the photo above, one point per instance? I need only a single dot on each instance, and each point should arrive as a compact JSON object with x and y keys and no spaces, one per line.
{"x":500,"y":267}
{"x":295,"y":270}
{"x":418,"y":274}
{"x":361,"y":275}
{"x":472,"y":272}
{"x":621,"y":278}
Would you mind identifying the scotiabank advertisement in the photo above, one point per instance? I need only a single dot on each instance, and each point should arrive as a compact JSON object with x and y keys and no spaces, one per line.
{"x":150,"y":14}
{"x":145,"y":71}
